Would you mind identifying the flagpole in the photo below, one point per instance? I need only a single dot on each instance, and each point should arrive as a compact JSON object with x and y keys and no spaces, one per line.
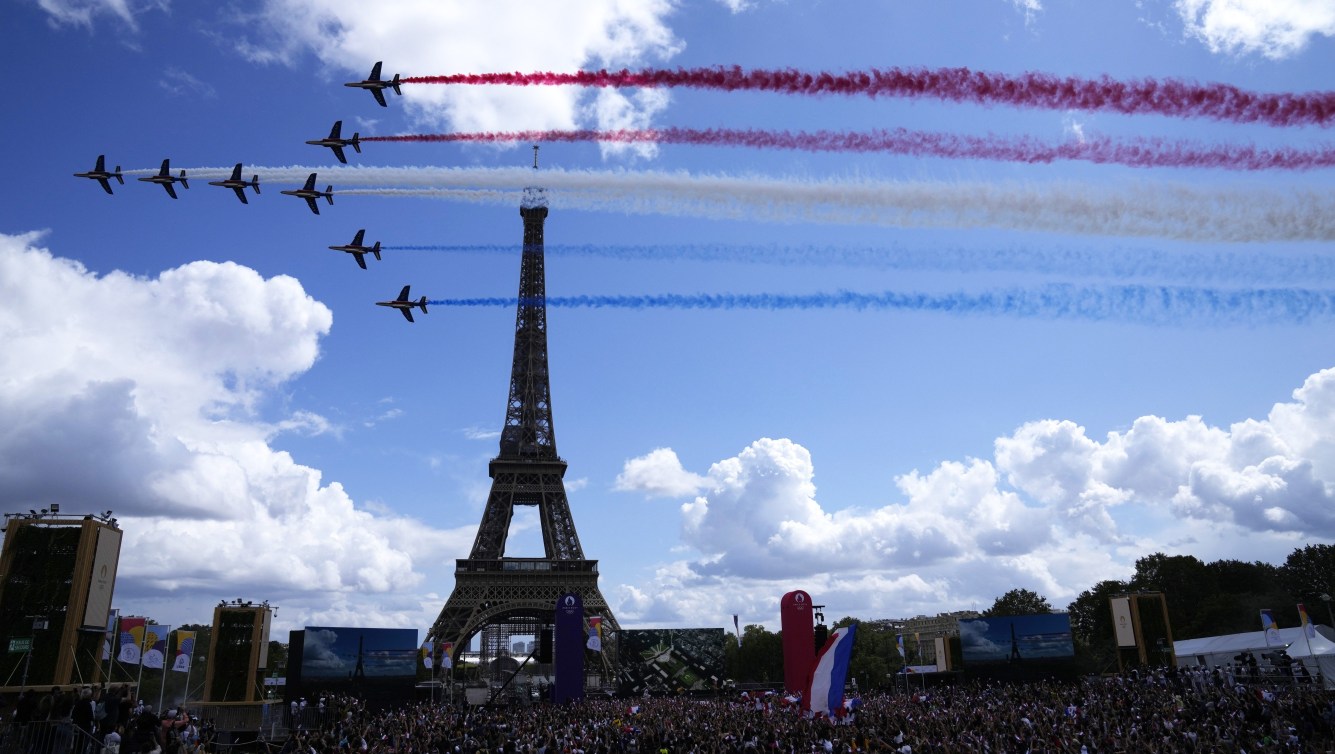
{"x":113,"y":647}
{"x":163,"y":688}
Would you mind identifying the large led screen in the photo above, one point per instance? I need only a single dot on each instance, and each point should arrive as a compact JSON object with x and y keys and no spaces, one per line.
{"x":670,"y":660}
{"x":1016,"y":638}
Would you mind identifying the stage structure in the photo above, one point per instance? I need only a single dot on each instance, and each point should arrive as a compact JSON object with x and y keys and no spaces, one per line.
{"x":238,"y":650}
{"x":57,"y":575}
{"x":511,"y":596}
{"x":1142,"y":630}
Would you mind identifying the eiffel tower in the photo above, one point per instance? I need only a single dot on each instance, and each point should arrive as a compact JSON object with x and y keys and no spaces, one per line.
{"x":490,"y":589}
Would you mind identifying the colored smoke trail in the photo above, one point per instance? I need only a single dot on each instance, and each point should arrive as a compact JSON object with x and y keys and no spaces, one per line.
{"x":1147,"y":305}
{"x":1139,"y":153}
{"x":1159,"y":209}
{"x":1250,"y":267}
{"x":1170,"y":97}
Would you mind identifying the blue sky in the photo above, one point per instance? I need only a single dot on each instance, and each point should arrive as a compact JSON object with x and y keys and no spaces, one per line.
{"x":213,"y":374}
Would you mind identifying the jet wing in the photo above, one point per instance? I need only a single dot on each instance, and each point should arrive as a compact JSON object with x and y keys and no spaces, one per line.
{"x":380,"y":97}
{"x":240,"y":194}
{"x":310,"y":200}
{"x":403,"y":295}
{"x":105,"y":184}
{"x":101,"y":164}
{"x":236,"y":172}
{"x":338,"y":152}
{"x":334,"y":132}
{"x":170,"y":191}
{"x":407,"y":314}
{"x":361,"y":258}
{"x":357,"y":241}
{"x":375,"y":71}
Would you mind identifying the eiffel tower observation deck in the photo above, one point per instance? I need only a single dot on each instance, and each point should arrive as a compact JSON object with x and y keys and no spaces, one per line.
{"x":512,"y":595}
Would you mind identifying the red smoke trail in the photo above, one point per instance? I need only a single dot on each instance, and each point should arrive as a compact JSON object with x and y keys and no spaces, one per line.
{"x":1135,"y":152}
{"x":1172,"y":97}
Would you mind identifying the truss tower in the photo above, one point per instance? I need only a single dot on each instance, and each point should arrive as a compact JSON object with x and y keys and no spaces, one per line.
{"x":491,"y":589}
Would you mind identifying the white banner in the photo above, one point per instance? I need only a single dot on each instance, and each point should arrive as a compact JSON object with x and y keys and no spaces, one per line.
{"x":1122,"y":625}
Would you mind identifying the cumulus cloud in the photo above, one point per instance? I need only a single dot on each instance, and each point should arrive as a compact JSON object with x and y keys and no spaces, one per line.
{"x":1275,"y":29}
{"x":658,"y":474}
{"x":1054,"y":511}
{"x":143,"y":397}
{"x":424,"y":37}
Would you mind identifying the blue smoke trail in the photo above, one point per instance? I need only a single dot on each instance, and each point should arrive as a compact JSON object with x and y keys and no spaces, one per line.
{"x":1249,"y":267}
{"x":1147,"y":305}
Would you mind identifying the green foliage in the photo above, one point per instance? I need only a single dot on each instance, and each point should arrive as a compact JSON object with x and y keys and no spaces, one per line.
{"x":1018,"y":602}
{"x":759,"y":659}
{"x":1309,"y":572}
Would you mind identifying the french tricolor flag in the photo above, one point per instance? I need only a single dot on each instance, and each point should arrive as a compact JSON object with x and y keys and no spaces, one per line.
{"x":826,"y":690}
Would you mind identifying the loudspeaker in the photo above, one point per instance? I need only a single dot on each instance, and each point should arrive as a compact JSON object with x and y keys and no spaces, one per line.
{"x":545,"y":645}
{"x":822,"y":634}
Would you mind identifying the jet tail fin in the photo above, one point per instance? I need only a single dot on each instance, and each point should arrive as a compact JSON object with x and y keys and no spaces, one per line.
{"x":376,"y":250}
{"x":183,"y":182}
{"x":395,"y":83}
{"x":356,"y":142}
{"x":117,"y":175}
{"x":255,"y":183}
{"x":329,"y":194}
{"x":422,"y":304}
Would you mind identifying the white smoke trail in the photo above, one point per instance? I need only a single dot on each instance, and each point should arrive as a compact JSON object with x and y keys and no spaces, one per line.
{"x":1148,"y":209}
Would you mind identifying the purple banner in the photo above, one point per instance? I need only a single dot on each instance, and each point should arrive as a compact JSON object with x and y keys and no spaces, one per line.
{"x":568,"y":648}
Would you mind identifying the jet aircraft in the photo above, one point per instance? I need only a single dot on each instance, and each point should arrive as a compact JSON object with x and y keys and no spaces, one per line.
{"x":165,"y":179}
{"x":310,"y":193}
{"x":377,"y":85}
{"x":359,"y":251}
{"x":236,"y":184}
{"x":336,"y":142}
{"x":99,"y":173}
{"x":404,"y":304}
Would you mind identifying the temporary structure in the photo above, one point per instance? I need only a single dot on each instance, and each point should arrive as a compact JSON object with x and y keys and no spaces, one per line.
{"x":1316,"y":652}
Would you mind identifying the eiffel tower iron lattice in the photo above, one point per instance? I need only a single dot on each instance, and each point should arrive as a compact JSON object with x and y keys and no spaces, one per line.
{"x":491,"y":589}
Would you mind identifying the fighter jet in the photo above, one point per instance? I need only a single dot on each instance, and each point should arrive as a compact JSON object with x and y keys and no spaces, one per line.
{"x":236,"y":184}
{"x":359,"y":251}
{"x":100,"y":174}
{"x":165,"y":179}
{"x":310,"y":193}
{"x":404,"y":305}
{"x":336,"y":143}
{"x":376,"y":85}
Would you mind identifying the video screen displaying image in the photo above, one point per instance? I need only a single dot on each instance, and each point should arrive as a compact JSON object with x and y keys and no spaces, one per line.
{"x":670,"y":660}
{"x":378,"y":664}
{"x":1016,"y":638}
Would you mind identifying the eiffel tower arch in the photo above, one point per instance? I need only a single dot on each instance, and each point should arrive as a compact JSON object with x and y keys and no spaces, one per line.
{"x":497,"y":596}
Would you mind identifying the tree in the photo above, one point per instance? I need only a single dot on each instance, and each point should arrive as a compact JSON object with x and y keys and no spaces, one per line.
{"x":760,"y":658}
{"x":1092,"y":625}
{"x":1186,"y":584}
{"x":1309,"y":572}
{"x":1018,"y":602}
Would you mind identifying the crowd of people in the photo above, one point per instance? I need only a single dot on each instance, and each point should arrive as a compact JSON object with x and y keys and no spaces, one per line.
{"x":97,"y":720}
{"x":1164,"y":712}
{"x":1171,"y":711}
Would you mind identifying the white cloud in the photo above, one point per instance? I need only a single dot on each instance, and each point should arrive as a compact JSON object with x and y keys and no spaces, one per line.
{"x":1030,"y":9}
{"x":1275,"y":29}
{"x":178,"y":82}
{"x":85,"y":12}
{"x":658,"y":474}
{"x":142,"y":397}
{"x":424,"y":37}
{"x":1055,"y":512}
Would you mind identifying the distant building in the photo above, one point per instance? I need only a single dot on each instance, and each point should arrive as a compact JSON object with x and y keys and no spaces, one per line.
{"x":941,"y":625}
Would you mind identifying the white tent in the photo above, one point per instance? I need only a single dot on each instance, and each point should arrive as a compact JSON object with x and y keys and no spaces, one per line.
{"x":1316,"y":652}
